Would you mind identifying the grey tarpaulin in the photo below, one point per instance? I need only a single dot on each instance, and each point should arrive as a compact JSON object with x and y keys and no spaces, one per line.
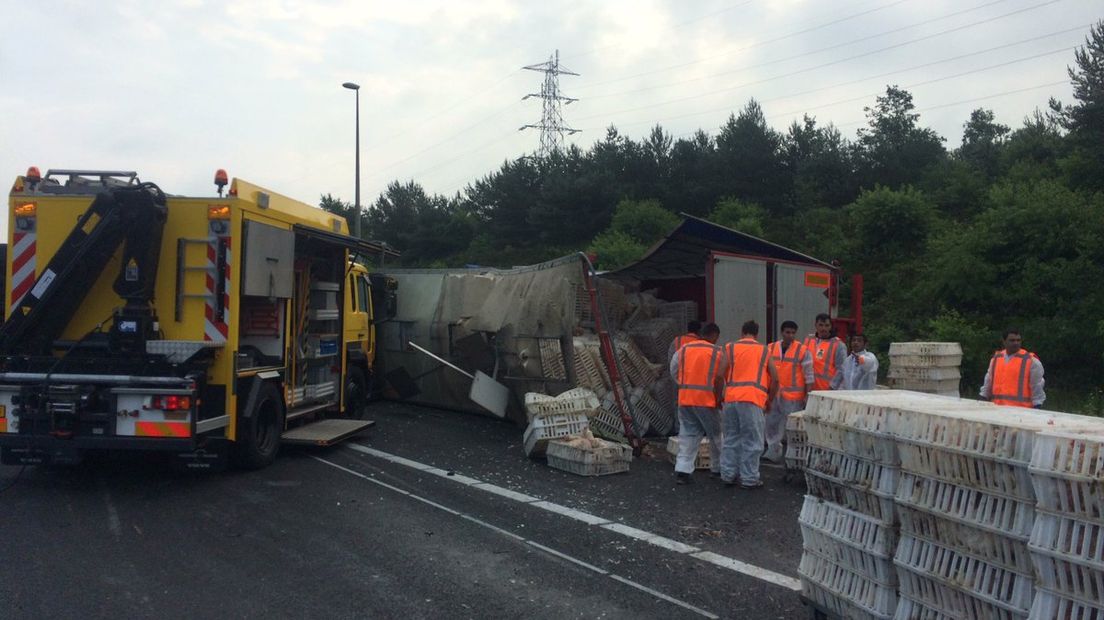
{"x":480,"y":318}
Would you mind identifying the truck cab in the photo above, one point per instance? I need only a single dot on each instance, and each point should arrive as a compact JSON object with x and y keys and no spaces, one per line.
{"x":202,"y":326}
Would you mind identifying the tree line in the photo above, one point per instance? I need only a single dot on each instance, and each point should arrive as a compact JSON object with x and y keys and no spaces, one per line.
{"x":954,"y":244}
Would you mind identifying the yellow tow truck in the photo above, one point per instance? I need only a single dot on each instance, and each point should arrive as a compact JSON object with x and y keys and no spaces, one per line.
{"x":207,"y":327}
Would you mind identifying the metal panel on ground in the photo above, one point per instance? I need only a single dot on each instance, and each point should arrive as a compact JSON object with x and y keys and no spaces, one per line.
{"x":801,"y":293}
{"x":739,"y":293}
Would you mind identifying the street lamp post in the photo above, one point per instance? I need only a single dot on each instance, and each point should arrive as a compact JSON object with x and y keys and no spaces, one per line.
{"x":356,"y":217}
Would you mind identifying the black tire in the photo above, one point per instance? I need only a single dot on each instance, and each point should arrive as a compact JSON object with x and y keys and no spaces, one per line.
{"x":259,"y":433}
{"x":356,"y":394}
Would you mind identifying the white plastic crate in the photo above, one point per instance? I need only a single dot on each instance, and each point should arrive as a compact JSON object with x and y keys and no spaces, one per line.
{"x":925,"y":361}
{"x":704,"y":460}
{"x":1051,"y":605}
{"x":542,"y":430}
{"x":939,"y":601}
{"x":908,"y":609}
{"x":967,"y":505}
{"x":611,"y":458}
{"x":858,"y":472}
{"x":552,"y":359}
{"x":797,"y":455}
{"x":654,"y":337}
{"x":681,"y":311}
{"x":955,"y":578}
{"x":878,"y":447}
{"x":1076,"y":454}
{"x":980,"y":436}
{"x":849,"y":526}
{"x":933,"y":386}
{"x":877,"y":568}
{"x":831,"y":603}
{"x":607,"y":425}
{"x":925,"y":348}
{"x":852,"y":587}
{"x":995,"y":547}
{"x":924,"y":373}
{"x":856,"y":497}
{"x":1076,"y":497}
{"x":972,"y":471}
{"x":612,"y":418}
{"x":577,"y":400}
{"x":796,"y":422}
{"x":635,"y":365}
{"x":661,"y":420}
{"x":1069,"y":556}
{"x":588,"y":372}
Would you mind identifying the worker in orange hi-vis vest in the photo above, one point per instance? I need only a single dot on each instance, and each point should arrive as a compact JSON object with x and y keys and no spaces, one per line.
{"x":828,"y":352}
{"x":692,"y":333}
{"x":698,"y":368}
{"x":751,"y":381}
{"x":1015,"y":376}
{"x":795,"y":379}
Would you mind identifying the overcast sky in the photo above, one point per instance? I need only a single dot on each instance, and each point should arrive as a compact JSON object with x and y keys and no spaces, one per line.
{"x":178,"y":88}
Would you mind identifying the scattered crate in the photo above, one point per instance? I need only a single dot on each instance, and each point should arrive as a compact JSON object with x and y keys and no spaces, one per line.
{"x":654,"y":337}
{"x":608,"y":458}
{"x":704,"y":460}
{"x":544,"y":429}
{"x":607,"y":425}
{"x":590,"y":372}
{"x":660,"y":419}
{"x":577,"y":400}
{"x":552,"y":359}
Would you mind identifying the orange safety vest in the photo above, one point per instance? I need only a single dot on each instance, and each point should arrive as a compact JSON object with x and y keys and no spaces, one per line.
{"x":824,"y":360}
{"x":747,"y":380}
{"x":697,"y":366}
{"x":685,"y":339}
{"x":791,"y":375}
{"x":1011,"y":378}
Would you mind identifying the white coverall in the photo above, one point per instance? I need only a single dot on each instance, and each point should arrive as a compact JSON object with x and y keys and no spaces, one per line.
{"x":860,"y":372}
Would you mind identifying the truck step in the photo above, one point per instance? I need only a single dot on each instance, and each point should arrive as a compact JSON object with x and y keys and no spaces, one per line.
{"x":325,"y":432}
{"x":305,"y":410}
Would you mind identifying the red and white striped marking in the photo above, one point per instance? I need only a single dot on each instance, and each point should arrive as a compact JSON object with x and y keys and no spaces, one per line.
{"x":23,"y":265}
{"x":213,"y":329}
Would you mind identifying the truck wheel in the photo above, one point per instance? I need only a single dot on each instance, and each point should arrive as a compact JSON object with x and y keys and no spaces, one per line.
{"x":259,"y":433}
{"x":356,"y":394}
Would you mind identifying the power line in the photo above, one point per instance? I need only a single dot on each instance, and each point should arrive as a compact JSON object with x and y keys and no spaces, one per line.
{"x":827,"y":64}
{"x":746,"y":47}
{"x":881,"y":75}
{"x":796,"y":56}
{"x":551,"y":125}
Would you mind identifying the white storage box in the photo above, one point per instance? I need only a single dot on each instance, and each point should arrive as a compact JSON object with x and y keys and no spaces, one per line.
{"x":610,"y":458}
{"x":607,"y":426}
{"x":1069,"y":556}
{"x":856,"y":497}
{"x":845,"y":525}
{"x":852,"y":470}
{"x":996,"y":547}
{"x":878,"y":447}
{"x":867,"y":595}
{"x":577,"y":400}
{"x":1051,"y":605}
{"x":542,"y":430}
{"x":991,"y":475}
{"x":925,"y":348}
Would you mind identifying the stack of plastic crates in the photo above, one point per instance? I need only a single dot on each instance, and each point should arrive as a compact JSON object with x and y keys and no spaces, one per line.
{"x":797,"y":443}
{"x":704,"y":460}
{"x":967,"y":507}
{"x":931,"y":367}
{"x":583,"y":457}
{"x":1067,"y":542}
{"x":590,"y":372}
{"x":848,"y":521}
{"x":544,"y":429}
{"x":654,"y":337}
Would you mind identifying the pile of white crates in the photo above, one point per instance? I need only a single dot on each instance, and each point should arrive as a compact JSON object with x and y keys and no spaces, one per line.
{"x":922,"y":506}
{"x":848,"y":521}
{"x":797,"y":442}
{"x":1067,"y":542}
{"x":930,"y":367}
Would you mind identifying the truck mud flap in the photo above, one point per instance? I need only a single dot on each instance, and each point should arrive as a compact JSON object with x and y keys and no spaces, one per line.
{"x":61,"y":455}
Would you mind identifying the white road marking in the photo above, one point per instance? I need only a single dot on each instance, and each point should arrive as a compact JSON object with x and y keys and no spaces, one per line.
{"x":536,"y":545}
{"x":748,"y":569}
{"x":716,"y":559}
{"x":660,"y":595}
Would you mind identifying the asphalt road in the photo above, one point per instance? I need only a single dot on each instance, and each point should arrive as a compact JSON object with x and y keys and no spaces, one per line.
{"x":341,"y":533}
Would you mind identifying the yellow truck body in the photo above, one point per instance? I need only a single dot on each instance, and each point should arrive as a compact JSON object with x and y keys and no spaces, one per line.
{"x":256,"y":309}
